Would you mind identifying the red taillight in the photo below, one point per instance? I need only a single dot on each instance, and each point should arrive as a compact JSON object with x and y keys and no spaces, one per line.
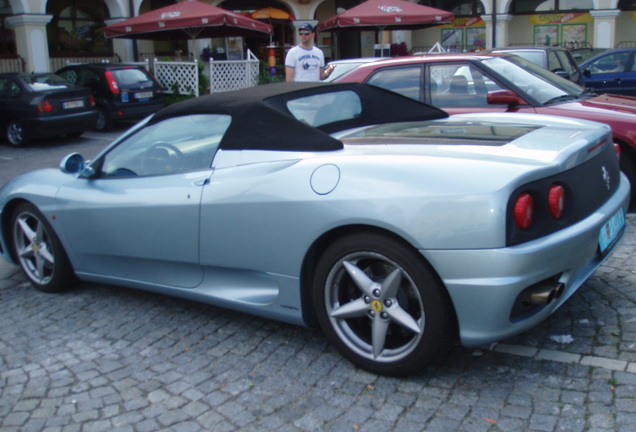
{"x":556,"y":200}
{"x":617,"y":149}
{"x":524,"y":211}
{"x":92,"y":100}
{"x":45,"y":106}
{"x":112,"y":84}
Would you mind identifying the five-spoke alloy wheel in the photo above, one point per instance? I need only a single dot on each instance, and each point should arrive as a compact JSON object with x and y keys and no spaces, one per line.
{"x":39,"y":251}
{"x":15,"y":133}
{"x":381,"y":304}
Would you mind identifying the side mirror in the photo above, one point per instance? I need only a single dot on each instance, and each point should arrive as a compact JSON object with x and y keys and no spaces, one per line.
{"x":587,"y":73}
{"x":75,"y":164}
{"x":503,"y":97}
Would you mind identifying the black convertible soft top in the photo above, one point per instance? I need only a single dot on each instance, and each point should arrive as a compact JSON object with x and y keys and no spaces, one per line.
{"x":261,"y":119}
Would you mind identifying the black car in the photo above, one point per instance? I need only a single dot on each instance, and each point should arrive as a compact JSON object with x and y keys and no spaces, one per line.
{"x":122,"y":92}
{"x":553,"y":58}
{"x":43,"y":105}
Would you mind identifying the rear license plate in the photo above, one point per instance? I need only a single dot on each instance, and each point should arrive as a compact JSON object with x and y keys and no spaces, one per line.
{"x":610,"y":231}
{"x":143,"y":95}
{"x":73,"y":104}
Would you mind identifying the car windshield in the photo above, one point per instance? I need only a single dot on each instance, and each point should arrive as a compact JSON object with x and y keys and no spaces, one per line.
{"x":536,"y":82}
{"x":46,"y":82}
{"x":341,"y":69}
{"x":535,"y":57}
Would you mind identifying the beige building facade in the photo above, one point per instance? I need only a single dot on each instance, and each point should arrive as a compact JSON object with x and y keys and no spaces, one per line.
{"x":37,"y":30}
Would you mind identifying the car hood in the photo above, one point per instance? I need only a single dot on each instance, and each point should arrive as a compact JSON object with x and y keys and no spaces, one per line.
{"x":600,"y":108}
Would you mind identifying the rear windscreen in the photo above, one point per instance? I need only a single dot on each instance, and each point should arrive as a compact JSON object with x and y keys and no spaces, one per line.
{"x":131,"y":77}
{"x":464,"y":133}
{"x":46,"y":82}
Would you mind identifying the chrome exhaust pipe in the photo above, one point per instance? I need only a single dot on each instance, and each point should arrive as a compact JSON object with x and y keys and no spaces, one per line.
{"x":544,"y":294}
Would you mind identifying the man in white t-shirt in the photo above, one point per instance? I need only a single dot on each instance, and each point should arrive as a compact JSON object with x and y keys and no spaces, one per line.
{"x":306,"y":62}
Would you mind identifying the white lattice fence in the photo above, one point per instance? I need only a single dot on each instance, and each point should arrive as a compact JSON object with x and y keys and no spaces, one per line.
{"x":60,"y":62}
{"x":228,"y":75}
{"x":11,"y":64}
{"x":185,"y":74}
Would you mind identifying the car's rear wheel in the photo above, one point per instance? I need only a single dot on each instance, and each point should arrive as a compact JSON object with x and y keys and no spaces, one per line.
{"x":15,"y":133}
{"x":104,"y":123}
{"x":381,"y":304}
{"x":39,"y":251}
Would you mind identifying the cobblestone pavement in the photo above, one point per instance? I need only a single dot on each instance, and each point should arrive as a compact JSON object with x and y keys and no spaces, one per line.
{"x":101,"y":358}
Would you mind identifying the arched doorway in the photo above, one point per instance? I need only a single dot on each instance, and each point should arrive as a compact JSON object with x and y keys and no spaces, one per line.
{"x":77,"y":28}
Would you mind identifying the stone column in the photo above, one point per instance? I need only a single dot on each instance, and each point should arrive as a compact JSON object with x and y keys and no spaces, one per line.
{"x":605,"y":27}
{"x":501,"y":30}
{"x":31,"y":40}
{"x":124,"y":48}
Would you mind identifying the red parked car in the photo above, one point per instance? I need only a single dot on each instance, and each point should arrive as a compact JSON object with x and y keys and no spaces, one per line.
{"x":474,"y":82}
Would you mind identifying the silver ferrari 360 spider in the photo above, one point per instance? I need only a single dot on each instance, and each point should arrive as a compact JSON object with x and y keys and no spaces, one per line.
{"x":395,"y":228}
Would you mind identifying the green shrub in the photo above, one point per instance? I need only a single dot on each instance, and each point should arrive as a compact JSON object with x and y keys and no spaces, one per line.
{"x":265,"y":77}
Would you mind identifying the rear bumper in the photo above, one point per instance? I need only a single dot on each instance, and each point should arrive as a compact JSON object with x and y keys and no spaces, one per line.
{"x":133,"y":111}
{"x":485,"y":284}
{"x":44,"y":127}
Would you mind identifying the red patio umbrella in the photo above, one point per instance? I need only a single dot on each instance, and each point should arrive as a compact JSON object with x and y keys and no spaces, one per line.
{"x":195,"y":19}
{"x":386,"y":15}
{"x":272,"y":13}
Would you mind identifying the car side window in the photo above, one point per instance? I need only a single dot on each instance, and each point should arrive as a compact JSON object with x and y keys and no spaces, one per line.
{"x":406,"y":81}
{"x":610,"y":63}
{"x":554,"y":64}
{"x":171,"y":146}
{"x":90,"y":78}
{"x":4,"y":87}
{"x":568,"y":65}
{"x":459,"y":85}
{"x":326,"y":108}
{"x":9,"y":88}
{"x":69,"y":75}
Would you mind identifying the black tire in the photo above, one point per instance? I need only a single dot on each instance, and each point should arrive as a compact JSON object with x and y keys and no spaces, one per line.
{"x":15,"y":133}
{"x":381,"y":304}
{"x":104,"y":123}
{"x":39,"y":251}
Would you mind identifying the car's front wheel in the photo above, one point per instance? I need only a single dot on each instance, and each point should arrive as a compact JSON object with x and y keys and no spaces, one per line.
{"x":39,"y":251}
{"x":15,"y":133}
{"x":381,"y":304}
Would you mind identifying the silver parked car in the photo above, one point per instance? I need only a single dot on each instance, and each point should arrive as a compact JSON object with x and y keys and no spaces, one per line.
{"x":394,"y":230}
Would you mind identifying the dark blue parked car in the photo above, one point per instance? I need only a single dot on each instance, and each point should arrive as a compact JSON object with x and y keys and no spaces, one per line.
{"x":613,"y":71}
